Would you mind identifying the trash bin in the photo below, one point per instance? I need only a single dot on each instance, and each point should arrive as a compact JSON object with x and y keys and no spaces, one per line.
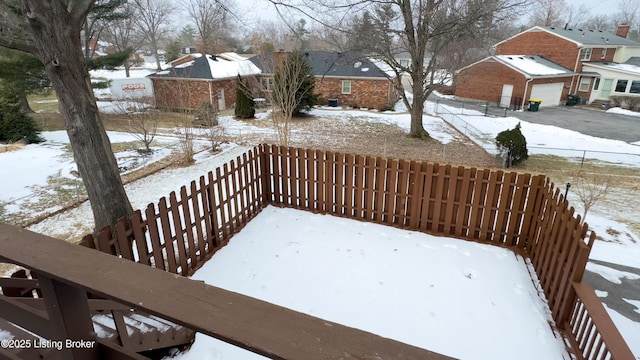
{"x":572,"y":100}
{"x":333,"y":102}
{"x":582,"y":100}
{"x":534,"y":104}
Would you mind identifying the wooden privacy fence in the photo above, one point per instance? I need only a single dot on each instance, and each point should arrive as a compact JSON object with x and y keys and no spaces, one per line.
{"x":520,"y":211}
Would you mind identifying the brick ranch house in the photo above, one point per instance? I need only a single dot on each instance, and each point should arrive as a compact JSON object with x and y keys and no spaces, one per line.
{"x":197,"y":78}
{"x":343,"y":79}
{"x":600,"y":64}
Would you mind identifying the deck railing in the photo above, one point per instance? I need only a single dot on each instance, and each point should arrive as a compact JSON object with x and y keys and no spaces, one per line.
{"x":67,"y":272}
{"x":519,"y":211}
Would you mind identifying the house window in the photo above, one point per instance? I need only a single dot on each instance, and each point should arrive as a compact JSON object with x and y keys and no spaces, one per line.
{"x":346,"y":86}
{"x":584,"y":84}
{"x":596,"y":84}
{"x":635,"y":87}
{"x":621,"y":86}
{"x":266,"y":84}
{"x":604,"y":54}
{"x":586,"y":54}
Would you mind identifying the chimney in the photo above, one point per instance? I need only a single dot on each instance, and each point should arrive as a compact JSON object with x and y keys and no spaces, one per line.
{"x":279,"y":57}
{"x":623,"y":30}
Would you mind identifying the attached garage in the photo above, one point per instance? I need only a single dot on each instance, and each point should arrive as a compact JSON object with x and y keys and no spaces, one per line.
{"x":550,"y":94}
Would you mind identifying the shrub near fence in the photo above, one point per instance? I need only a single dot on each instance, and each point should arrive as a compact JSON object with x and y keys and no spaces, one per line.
{"x":519,"y":211}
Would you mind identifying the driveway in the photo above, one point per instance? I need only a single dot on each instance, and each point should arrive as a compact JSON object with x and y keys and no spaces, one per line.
{"x":587,"y":121}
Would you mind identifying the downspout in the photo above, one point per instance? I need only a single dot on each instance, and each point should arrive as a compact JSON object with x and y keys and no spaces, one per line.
{"x":211,"y":93}
{"x":524,"y":95}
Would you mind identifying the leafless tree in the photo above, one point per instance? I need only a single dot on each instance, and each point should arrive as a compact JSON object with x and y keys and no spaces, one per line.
{"x":549,"y":13}
{"x":50,"y":30}
{"x":102,"y":12}
{"x":576,"y":16}
{"x":627,"y":12}
{"x":600,"y":22}
{"x":288,"y":90}
{"x":123,"y":33}
{"x":142,"y":119}
{"x":207,"y":119}
{"x":211,"y":19}
{"x":590,"y":189}
{"x":415,"y":28}
{"x":154,"y":17}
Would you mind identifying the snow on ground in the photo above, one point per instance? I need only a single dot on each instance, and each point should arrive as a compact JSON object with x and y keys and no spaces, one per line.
{"x":426,"y":291}
{"x":76,"y":222}
{"x":29,"y":170}
{"x":617,"y":110}
{"x":542,"y":139}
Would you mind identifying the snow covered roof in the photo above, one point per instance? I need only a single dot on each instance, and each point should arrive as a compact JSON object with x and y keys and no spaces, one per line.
{"x":533,"y":65}
{"x":629,"y":68}
{"x":211,"y":67}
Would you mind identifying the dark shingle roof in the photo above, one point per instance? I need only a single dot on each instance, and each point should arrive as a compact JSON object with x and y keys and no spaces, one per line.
{"x":196,"y":69}
{"x":331,"y":63}
{"x":591,"y":37}
{"x":210,"y":67}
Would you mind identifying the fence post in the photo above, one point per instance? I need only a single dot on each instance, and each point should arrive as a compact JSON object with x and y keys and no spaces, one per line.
{"x":265,"y":159}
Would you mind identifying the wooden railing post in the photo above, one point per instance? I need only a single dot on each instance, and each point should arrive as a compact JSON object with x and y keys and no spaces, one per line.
{"x":69,"y":318}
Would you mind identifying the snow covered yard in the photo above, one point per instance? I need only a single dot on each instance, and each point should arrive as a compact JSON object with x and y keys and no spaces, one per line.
{"x":458,"y":298}
{"x":27,"y":170}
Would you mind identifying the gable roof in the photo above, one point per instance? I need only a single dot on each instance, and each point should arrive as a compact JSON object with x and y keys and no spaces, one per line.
{"x":210,"y":67}
{"x":531,"y":66}
{"x":350,"y":64}
{"x":583,"y":37}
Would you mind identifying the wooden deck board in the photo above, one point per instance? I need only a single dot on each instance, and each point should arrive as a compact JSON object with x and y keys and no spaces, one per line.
{"x":261,"y":327}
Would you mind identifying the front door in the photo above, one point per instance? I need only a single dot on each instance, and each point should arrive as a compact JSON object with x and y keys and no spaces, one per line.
{"x":505,"y":99}
{"x":606,"y":88}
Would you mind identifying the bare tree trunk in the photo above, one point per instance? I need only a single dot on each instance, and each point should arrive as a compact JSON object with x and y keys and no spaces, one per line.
{"x":25,"y":108}
{"x":417,"y":108}
{"x":91,"y":146}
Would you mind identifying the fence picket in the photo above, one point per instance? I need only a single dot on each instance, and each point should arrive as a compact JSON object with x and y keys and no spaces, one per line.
{"x":138,"y":226}
{"x":163,"y":213}
{"x":154,"y":237}
{"x":515,"y":210}
{"x":179,"y":240}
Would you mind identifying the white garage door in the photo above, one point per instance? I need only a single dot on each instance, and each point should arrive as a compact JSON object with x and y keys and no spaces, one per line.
{"x":549,"y":93}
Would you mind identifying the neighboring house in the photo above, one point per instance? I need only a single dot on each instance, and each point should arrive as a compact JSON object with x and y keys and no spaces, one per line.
{"x":593,"y":56}
{"x":342,"y":79}
{"x":195,"y":79}
{"x":511,"y":80}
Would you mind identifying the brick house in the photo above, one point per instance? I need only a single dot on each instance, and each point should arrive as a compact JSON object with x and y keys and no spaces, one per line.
{"x":511,"y":80}
{"x":195,"y":79}
{"x":596,"y":59}
{"x":342,"y":79}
